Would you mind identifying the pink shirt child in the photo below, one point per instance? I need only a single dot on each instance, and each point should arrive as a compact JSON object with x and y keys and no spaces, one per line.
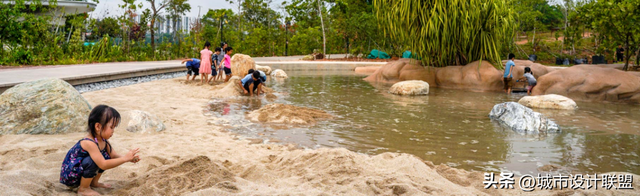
{"x":227,"y":61}
{"x":205,"y":62}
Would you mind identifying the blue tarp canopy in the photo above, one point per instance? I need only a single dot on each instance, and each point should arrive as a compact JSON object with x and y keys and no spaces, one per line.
{"x":377,"y":54}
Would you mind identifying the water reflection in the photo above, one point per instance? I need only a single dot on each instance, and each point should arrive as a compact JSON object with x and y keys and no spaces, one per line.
{"x":447,"y":126}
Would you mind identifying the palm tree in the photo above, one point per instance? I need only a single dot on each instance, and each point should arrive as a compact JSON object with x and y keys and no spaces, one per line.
{"x":449,"y":32}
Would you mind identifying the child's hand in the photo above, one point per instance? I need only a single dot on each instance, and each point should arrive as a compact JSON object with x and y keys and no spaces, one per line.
{"x":132,"y":154}
{"x":246,"y":92}
{"x":135,"y":159}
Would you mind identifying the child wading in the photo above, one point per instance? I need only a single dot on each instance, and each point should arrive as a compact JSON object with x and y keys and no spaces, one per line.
{"x":205,"y":63}
{"x":193,"y":66}
{"x":227,"y":63}
{"x":92,"y":155}
{"x":508,"y":74}
{"x":530,"y":79}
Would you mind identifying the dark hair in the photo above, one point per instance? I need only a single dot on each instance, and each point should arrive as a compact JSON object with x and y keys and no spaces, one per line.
{"x":256,"y":74}
{"x":527,"y":70}
{"x":511,"y":56}
{"x":206,"y":44}
{"x":228,"y":49}
{"x":222,"y":44}
{"x":250,"y":71}
{"x":102,"y":114}
{"x":218,"y":49}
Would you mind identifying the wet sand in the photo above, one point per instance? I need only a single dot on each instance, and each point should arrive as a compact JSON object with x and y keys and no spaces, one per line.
{"x":194,"y":157}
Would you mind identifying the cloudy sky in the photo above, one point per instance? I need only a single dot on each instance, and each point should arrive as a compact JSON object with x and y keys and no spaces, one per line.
{"x":110,"y":7}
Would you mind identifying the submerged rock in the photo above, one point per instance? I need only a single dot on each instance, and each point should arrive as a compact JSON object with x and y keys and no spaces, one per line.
{"x":522,"y":119}
{"x":47,"y":106}
{"x":144,"y":122}
{"x":411,"y":87}
{"x":279,"y":73}
{"x":241,"y":63}
{"x":551,"y":101}
{"x":265,"y":69}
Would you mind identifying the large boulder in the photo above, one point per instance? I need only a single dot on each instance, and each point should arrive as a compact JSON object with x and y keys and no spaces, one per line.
{"x":144,"y":122}
{"x":411,"y":87}
{"x":475,"y":76}
{"x":550,"y":101}
{"x":279,"y":73}
{"x":265,"y":69}
{"x":240,"y":64}
{"x":47,"y":106}
{"x":230,"y":89}
{"x":367,"y":69}
{"x":401,"y":70}
{"x":522,"y":119}
{"x":592,"y":83}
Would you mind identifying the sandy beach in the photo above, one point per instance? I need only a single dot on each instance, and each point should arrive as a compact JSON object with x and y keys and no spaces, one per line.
{"x":196,"y":157}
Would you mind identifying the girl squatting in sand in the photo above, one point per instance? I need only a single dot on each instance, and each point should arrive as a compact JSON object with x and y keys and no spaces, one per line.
{"x":86,"y":160}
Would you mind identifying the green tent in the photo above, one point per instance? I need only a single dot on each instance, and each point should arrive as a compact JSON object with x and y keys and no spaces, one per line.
{"x":378,"y":54}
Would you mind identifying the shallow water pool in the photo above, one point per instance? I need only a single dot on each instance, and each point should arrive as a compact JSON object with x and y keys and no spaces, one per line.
{"x":446,"y":127}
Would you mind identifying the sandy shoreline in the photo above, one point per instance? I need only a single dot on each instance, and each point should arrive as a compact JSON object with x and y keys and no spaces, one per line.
{"x":196,"y":158}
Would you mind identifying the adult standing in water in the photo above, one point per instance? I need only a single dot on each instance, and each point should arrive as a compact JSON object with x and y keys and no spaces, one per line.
{"x":508,"y":73}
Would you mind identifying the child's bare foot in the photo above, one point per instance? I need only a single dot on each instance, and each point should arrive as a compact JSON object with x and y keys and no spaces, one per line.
{"x":101,"y":185}
{"x":87,"y":191}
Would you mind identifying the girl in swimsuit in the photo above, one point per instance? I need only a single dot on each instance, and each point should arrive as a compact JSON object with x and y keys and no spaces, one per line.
{"x":86,"y":160}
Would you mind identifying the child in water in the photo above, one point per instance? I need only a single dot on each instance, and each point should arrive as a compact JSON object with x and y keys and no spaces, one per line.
{"x":86,"y":160}
{"x":531,"y":80}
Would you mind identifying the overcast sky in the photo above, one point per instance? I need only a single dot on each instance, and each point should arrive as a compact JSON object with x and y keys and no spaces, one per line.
{"x":110,"y":7}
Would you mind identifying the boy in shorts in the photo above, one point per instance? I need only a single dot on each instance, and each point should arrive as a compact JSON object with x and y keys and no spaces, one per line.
{"x":215,"y":65}
{"x":508,"y":74}
{"x":193,"y":66}
{"x":251,"y":83}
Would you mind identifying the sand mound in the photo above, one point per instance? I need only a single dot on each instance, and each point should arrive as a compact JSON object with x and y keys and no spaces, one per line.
{"x":229,"y":89}
{"x":288,"y":114}
{"x":271,"y":97}
{"x":183,"y":177}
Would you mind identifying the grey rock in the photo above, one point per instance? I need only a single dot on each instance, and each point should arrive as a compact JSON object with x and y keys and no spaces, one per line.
{"x":522,"y":119}
{"x":144,"y":122}
{"x":47,"y":106}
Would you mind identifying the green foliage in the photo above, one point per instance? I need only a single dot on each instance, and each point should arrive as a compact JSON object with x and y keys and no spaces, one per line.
{"x":106,"y":26}
{"x":616,"y":23}
{"x":449,"y":32}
